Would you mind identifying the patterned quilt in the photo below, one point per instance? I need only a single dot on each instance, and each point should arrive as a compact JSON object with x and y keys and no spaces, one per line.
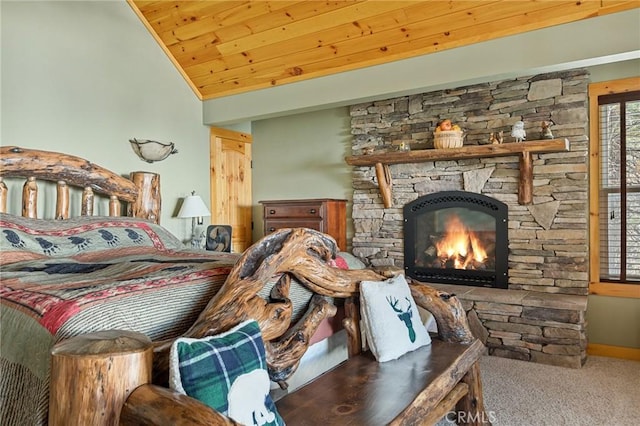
{"x":71,"y":277}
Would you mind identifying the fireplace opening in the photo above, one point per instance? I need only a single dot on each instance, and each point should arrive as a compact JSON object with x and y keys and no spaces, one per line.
{"x":456,"y":237}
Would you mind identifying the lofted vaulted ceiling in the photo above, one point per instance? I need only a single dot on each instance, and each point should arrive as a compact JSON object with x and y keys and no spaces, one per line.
{"x":229,"y":47}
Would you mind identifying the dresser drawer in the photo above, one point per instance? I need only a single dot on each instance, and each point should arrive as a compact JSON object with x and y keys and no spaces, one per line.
{"x":293,"y":210}
{"x":327,"y":215}
{"x":271,"y":225}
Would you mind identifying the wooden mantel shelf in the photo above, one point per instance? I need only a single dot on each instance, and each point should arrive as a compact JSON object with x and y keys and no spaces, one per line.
{"x":523,"y":149}
{"x":471,"y":151}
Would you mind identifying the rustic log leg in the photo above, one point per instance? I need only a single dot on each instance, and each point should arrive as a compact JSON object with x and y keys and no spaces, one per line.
{"x":93,"y":374}
{"x":283,"y":355}
{"x":384,"y":184}
{"x":525,"y":185}
{"x":447,"y":311}
{"x":471,"y":406}
{"x":441,"y":392}
{"x":444,"y":407}
{"x":350,"y":323}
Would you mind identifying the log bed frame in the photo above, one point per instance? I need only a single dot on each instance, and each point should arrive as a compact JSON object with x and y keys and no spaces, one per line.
{"x":445,"y":375}
{"x":141,"y":192}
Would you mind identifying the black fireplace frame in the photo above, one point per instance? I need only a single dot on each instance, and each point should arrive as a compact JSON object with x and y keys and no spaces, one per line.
{"x":497,"y":278}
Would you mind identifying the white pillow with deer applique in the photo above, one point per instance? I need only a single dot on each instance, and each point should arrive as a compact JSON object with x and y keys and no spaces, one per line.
{"x":390,"y":318}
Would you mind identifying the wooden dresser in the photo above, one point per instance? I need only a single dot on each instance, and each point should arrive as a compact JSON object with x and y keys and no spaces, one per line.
{"x":322,"y":214}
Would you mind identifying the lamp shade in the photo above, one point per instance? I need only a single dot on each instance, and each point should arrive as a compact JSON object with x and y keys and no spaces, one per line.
{"x":193,"y":206}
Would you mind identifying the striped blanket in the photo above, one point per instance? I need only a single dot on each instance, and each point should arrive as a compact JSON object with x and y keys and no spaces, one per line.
{"x":85,"y":275}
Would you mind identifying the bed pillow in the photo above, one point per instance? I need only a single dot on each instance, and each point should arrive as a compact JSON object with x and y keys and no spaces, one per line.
{"x":227,"y":372}
{"x":28,"y":239}
{"x":390,"y":317}
{"x":351,"y":261}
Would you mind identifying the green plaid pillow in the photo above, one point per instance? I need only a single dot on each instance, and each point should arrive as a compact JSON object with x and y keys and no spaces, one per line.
{"x":228,"y":372}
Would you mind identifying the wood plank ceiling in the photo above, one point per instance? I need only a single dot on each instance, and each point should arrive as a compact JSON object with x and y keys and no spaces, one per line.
{"x":229,"y":47}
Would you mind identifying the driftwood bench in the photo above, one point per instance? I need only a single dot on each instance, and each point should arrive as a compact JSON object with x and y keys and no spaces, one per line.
{"x":418,"y":388}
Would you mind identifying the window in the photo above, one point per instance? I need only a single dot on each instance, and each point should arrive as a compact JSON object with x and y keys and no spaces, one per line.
{"x":615,"y":188}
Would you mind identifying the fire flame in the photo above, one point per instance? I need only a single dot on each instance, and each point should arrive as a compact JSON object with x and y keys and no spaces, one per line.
{"x":460,"y":245}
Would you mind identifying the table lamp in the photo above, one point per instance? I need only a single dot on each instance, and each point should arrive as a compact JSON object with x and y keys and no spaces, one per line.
{"x":194,"y":207}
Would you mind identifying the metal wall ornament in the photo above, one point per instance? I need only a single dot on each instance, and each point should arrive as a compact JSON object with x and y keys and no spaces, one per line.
{"x":151,"y":151}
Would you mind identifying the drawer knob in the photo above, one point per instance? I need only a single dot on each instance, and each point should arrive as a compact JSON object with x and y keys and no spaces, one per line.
{"x":272,"y":229}
{"x":312,"y":211}
{"x":272,"y":211}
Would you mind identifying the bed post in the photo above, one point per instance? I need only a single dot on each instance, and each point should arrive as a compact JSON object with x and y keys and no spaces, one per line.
{"x":93,"y":374}
{"x":147,"y":204}
{"x":3,"y":196}
{"x":30,"y":198}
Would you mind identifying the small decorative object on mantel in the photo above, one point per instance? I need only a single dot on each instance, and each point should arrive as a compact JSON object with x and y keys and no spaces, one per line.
{"x":151,"y":151}
{"x":368,"y":150}
{"x":496,"y":138}
{"x":546,"y":133}
{"x":447,"y":135}
{"x":518,"y":132}
{"x":401,"y":145}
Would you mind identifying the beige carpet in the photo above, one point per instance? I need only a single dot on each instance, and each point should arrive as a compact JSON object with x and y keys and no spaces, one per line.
{"x":606,"y":391}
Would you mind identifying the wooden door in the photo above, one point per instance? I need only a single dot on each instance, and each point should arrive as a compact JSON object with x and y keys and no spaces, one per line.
{"x":230,"y":159}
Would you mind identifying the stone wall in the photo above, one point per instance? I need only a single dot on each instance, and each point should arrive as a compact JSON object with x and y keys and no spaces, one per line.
{"x":548,"y":240}
{"x":526,"y":325}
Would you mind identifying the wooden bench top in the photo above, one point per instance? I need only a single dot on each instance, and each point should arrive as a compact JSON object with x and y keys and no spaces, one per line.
{"x":362,"y":391}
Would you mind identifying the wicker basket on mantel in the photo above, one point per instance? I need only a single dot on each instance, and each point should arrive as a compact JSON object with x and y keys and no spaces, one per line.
{"x":448,"y":139}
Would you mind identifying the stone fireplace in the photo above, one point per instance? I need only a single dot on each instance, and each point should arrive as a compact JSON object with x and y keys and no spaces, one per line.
{"x":537,"y":313}
{"x":456,"y":237}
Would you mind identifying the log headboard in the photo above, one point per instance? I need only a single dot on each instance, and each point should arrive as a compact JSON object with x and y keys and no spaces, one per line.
{"x":140,"y":192}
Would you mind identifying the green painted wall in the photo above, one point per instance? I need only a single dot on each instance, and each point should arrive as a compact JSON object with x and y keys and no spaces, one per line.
{"x":301,"y":156}
{"x":613,"y":321}
{"x":85,"y":77}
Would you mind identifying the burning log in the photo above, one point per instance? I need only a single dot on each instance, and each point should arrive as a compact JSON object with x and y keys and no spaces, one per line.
{"x":480,"y":266}
{"x":431,"y":252}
